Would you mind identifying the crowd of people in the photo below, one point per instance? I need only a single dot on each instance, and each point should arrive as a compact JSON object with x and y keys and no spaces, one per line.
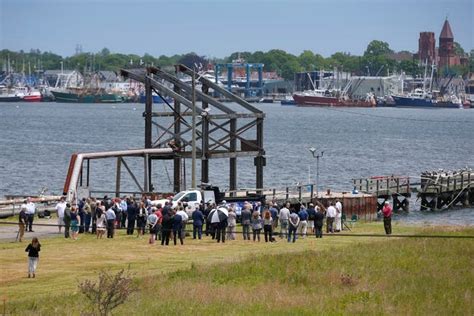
{"x":165,"y":223}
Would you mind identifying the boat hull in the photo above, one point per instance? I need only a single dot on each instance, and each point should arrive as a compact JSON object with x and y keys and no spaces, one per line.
{"x":32,"y":98}
{"x":70,"y":97}
{"x":10,"y":98}
{"x":407,"y":102}
{"x":308,"y":100}
{"x":156,"y":99}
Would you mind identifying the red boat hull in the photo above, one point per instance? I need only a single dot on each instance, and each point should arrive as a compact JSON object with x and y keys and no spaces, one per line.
{"x":32,"y":98}
{"x":309,"y":100}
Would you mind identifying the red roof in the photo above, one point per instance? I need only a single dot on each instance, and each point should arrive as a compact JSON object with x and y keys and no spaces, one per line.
{"x":446,"y":31}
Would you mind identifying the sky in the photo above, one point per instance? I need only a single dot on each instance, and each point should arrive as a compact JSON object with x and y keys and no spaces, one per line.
{"x":217,"y":28}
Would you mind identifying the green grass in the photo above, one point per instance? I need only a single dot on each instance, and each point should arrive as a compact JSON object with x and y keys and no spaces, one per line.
{"x":334,"y":275}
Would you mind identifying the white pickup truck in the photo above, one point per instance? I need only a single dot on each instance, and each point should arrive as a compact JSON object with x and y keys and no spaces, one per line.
{"x":192,"y":198}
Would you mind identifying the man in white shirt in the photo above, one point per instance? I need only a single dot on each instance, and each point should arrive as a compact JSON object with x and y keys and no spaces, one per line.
{"x":330,"y":215}
{"x":110,"y":216}
{"x":30,"y":212}
{"x":60,"y":208}
{"x":184,"y":219}
{"x":284,"y":217}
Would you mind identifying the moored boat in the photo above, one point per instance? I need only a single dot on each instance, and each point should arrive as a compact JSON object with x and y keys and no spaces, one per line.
{"x":83,"y":96}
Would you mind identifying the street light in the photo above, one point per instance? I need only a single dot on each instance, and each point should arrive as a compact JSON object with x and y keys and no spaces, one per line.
{"x":316,"y":155}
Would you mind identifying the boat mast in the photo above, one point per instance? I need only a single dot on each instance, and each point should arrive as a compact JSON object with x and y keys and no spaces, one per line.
{"x":424,"y":76}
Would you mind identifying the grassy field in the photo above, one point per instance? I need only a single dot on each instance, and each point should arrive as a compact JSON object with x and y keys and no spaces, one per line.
{"x":333,"y":275}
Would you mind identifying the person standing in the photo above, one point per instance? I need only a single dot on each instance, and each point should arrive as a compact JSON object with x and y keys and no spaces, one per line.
{"x":30,"y":212}
{"x":387,"y":218}
{"x":110,"y":217}
{"x":124,"y":208}
{"x":303,"y":226}
{"x":338,"y":218}
{"x":177,"y":227}
{"x":22,"y":218}
{"x":67,"y":220}
{"x":100,"y":223}
{"x":75,"y":220}
{"x":33,"y":250}
{"x":184,"y":218}
{"x":246,"y":217}
{"x":274,"y":214}
{"x":311,"y":212}
{"x":330,"y":216}
{"x":141,"y":219}
{"x":131,"y":215}
{"x":294,"y":222}
{"x":318,"y":222}
{"x":152,"y":221}
{"x":88,"y":215}
{"x":256,"y":225}
{"x":231,"y":224}
{"x":198,"y":220}
{"x":284,"y":220}
{"x":267,"y":226}
{"x":166,"y":227}
{"x":60,"y":208}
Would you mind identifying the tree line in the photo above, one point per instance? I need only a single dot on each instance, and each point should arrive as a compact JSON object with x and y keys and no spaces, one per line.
{"x":378,"y":59}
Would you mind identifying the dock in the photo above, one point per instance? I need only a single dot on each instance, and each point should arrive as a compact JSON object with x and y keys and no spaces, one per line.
{"x":443,"y":190}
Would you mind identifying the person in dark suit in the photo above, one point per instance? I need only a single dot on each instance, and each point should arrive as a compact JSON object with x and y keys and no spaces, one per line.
{"x":318,"y":222}
{"x":131,"y":215}
{"x":166,"y":227}
{"x":177,"y":227}
{"x":198,"y":220}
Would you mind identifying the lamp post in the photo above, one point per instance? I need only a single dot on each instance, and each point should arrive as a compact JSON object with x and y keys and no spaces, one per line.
{"x":316,"y":155}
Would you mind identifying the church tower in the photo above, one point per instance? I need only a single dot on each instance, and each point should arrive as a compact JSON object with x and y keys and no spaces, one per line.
{"x":446,"y":46}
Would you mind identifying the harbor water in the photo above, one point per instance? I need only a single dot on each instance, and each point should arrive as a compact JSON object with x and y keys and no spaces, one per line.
{"x":37,"y":141}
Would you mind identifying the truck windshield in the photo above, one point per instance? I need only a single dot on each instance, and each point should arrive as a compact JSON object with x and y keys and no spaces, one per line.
{"x":178,"y":196}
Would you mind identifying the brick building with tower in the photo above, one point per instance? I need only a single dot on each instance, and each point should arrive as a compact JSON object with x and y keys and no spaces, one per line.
{"x":445,"y":55}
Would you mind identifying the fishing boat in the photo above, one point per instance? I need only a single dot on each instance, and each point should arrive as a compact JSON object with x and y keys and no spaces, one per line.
{"x":326,"y":98}
{"x":156,"y":98}
{"x":418,"y":98}
{"x":86,"y":96}
{"x":288,"y":100}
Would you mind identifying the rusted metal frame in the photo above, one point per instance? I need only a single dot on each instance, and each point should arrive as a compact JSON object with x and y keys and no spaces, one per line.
{"x":221,"y":90}
{"x":148,"y":110}
{"x":177,"y":139}
{"x":188,"y":89}
{"x":259,"y":160}
{"x":205,"y":140}
{"x":185,"y":142}
{"x":233,"y":160}
{"x":211,"y":116}
{"x":131,"y":174}
{"x":237,"y":133}
{"x":227,"y":137}
{"x":166,"y":130}
{"x":153,"y":114}
{"x":241,"y":130}
{"x":117,"y":176}
{"x":222,"y":154}
{"x":160,"y":87}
